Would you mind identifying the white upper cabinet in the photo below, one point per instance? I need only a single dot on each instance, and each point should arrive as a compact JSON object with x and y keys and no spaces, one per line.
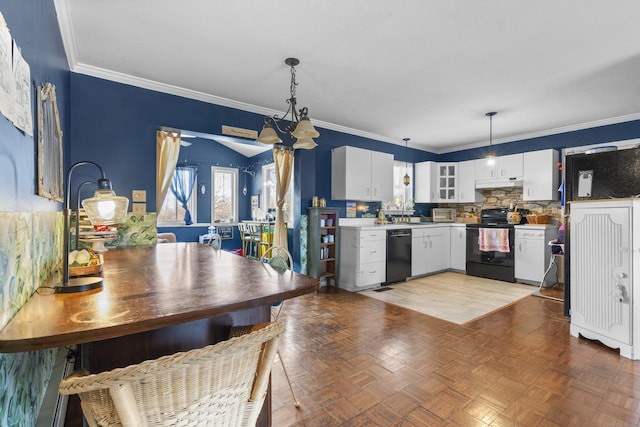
{"x":541,"y":175}
{"x":505,"y":167}
{"x":467,"y":192}
{"x":436,"y":182}
{"x":381,"y":176}
{"x":447,"y":182}
{"x":359,"y":174}
{"x":426,"y":177}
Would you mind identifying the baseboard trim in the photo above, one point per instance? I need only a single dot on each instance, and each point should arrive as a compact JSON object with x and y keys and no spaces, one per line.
{"x":54,"y":405}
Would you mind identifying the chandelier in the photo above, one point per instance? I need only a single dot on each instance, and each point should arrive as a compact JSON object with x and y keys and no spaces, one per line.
{"x":299,"y":126}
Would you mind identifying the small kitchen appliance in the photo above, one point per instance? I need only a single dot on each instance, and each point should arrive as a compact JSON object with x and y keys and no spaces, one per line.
{"x":443,"y":215}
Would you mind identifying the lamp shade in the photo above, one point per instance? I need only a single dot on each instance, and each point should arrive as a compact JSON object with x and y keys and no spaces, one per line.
{"x":305,"y":144}
{"x":304,"y":129}
{"x":268,"y":135}
{"x":105,"y":208}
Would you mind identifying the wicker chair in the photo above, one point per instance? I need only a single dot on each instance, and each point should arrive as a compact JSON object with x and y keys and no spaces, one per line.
{"x":278,"y":260}
{"x":219,"y":385}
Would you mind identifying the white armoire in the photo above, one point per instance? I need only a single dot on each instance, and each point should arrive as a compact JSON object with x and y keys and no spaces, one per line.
{"x":605,"y":274}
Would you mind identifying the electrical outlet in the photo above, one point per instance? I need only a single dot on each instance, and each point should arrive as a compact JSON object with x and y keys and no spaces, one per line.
{"x":139,"y":195}
{"x":139,"y":208}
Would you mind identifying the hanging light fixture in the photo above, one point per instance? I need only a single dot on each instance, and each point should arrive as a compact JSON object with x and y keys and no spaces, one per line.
{"x":299,"y":126}
{"x":491,"y":156}
{"x":407,"y":179}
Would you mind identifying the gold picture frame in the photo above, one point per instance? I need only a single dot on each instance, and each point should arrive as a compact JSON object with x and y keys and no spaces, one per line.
{"x":50,"y":182}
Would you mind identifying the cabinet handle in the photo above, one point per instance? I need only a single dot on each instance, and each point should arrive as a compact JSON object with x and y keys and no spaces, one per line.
{"x":430,"y":243}
{"x":520,"y":247}
{"x":461,"y":234}
{"x":373,"y":252}
{"x":374,"y":271}
{"x":368,"y":191}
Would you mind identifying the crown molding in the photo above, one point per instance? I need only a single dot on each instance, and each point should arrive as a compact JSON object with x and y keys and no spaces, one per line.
{"x":547,"y":132}
{"x":212,"y":99}
{"x":66,"y":32}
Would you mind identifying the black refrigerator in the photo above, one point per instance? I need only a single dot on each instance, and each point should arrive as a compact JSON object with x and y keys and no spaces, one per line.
{"x":606,"y":173}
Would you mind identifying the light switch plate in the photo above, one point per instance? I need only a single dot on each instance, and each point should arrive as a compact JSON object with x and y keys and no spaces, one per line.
{"x":139,"y":195}
{"x":139,"y":208}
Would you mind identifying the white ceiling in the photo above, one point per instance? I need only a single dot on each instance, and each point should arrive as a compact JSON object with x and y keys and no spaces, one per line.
{"x":424,"y":69}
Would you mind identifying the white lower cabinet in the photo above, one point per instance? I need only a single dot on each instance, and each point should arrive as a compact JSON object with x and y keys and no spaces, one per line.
{"x":604,"y":255}
{"x":458,"y":247}
{"x":532,"y":252}
{"x":429,"y":250}
{"x":363,"y":258}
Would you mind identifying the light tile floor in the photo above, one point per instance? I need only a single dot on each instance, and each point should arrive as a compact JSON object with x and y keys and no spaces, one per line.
{"x":453,"y":297}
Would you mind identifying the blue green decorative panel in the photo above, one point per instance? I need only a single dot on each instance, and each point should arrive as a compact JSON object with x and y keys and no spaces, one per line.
{"x":30,"y":251}
{"x":138,"y":230}
{"x":304,"y":225}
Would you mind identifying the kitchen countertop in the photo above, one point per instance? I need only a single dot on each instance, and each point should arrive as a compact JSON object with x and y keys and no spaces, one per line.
{"x":148,"y":288}
{"x":369,"y":224}
{"x":540,"y":226}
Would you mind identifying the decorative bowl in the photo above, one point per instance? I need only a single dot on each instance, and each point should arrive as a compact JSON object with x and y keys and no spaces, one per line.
{"x":539,"y":219}
{"x":86,"y":270}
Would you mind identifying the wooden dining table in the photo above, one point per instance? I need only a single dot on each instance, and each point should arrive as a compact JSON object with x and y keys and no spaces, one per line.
{"x":154,"y":301}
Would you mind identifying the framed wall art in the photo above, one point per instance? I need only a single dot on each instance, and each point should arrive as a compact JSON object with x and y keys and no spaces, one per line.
{"x":50,"y":176}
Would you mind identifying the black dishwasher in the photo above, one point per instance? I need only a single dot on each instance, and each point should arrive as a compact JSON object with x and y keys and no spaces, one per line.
{"x":398,"y":255}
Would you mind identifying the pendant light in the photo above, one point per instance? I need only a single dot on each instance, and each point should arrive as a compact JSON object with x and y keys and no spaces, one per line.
{"x":244,"y":189}
{"x":407,"y":179}
{"x":491,"y":156}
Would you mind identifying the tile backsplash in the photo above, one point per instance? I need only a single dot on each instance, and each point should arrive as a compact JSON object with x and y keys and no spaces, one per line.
{"x":504,"y":198}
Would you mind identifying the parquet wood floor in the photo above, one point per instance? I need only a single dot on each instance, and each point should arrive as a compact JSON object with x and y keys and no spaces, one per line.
{"x":357,"y":361}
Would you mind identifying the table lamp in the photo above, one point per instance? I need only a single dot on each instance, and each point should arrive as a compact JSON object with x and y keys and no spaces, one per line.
{"x":104,"y":208}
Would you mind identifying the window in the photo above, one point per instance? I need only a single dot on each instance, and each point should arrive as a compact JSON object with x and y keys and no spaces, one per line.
{"x":224,"y":194}
{"x":269,"y":196}
{"x":172,"y":212}
{"x":402,"y":195}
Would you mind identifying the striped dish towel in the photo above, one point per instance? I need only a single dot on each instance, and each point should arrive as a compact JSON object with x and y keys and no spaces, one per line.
{"x":493,"y":239}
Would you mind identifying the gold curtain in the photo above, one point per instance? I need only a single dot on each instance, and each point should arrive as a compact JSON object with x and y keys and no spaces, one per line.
{"x":167,"y":151}
{"x":283,"y":159}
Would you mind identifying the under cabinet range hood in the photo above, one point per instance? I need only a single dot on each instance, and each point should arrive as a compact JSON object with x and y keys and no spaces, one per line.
{"x":499,"y":183}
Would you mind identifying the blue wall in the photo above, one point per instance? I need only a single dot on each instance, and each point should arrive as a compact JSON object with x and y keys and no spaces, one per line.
{"x":596,"y":135}
{"x":30,"y":244}
{"x":34,"y":27}
{"x":115,"y":124}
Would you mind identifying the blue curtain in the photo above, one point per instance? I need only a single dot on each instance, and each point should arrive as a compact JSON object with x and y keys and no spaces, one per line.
{"x":184,"y":179}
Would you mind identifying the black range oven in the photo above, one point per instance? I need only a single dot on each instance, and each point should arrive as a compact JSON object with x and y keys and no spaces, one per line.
{"x":488,"y":260}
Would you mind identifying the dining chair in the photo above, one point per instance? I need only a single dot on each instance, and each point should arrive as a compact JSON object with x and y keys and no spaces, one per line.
{"x":224,"y":384}
{"x":245,"y":237}
{"x":255,"y":237}
{"x":267,"y":237}
{"x":279,"y":261}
